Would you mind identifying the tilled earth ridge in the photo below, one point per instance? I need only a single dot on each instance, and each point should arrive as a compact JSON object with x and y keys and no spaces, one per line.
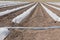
{"x":57,"y":12}
{"x":39,"y":18}
{"x":6,"y":20}
{"x":51,"y":34}
{"x":11,"y":7}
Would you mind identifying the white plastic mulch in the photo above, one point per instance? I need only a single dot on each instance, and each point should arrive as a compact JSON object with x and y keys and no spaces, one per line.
{"x":15,"y":9}
{"x":4,"y":33}
{"x":52,"y":6}
{"x":10,"y":3}
{"x":53,"y":15}
{"x":54,"y":3}
{"x":22,"y":16}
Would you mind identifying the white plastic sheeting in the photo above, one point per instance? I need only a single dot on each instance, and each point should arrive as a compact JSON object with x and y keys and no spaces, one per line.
{"x":22,"y":16}
{"x":54,"y":3}
{"x":52,"y":6}
{"x":10,"y":3}
{"x":53,"y":15}
{"x":15,"y":9}
{"x":3,"y":33}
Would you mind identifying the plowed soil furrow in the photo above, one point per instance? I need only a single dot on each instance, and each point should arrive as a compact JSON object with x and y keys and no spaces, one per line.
{"x":6,"y":20}
{"x":57,"y":12}
{"x":39,"y":18}
{"x":52,"y":34}
{"x":11,"y":7}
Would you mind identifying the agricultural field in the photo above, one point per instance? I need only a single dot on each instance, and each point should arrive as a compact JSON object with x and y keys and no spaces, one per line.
{"x":29,"y":14}
{"x":31,"y":20}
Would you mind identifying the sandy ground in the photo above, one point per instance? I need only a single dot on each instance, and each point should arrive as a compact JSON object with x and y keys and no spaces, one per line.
{"x":11,"y":7}
{"x":6,"y":20}
{"x":51,"y":34}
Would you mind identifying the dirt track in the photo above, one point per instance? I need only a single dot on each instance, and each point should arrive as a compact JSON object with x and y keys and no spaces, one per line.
{"x":52,"y":34}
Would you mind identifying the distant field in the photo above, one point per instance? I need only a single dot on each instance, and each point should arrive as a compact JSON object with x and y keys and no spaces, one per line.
{"x":34,"y":0}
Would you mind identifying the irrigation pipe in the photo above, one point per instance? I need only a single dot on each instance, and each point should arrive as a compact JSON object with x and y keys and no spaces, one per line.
{"x":34,"y":28}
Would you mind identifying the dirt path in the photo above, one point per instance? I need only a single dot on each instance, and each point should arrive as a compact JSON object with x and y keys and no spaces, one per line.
{"x":6,"y":20}
{"x":52,"y":34}
{"x":39,"y":18}
{"x":11,"y":7}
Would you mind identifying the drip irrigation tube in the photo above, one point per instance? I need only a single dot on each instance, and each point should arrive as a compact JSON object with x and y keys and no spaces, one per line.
{"x":34,"y":28}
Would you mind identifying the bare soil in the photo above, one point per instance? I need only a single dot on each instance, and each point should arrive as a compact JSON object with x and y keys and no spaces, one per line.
{"x":51,"y":34}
